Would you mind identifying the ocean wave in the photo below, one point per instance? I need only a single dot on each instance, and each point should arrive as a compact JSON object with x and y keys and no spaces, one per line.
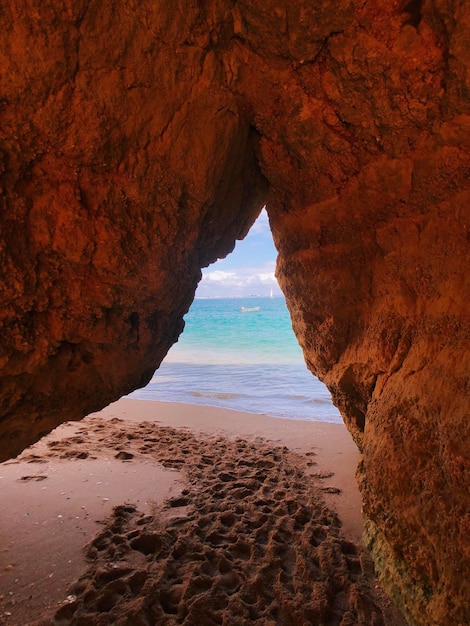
{"x":216,"y":394}
{"x":316,"y":401}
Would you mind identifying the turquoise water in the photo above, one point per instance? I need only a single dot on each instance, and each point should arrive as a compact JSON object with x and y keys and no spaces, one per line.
{"x":247,"y":361}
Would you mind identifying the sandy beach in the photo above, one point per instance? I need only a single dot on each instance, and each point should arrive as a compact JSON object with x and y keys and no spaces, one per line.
{"x":166,"y":513}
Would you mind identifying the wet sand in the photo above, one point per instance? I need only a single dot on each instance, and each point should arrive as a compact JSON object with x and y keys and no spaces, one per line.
{"x":165,"y":513}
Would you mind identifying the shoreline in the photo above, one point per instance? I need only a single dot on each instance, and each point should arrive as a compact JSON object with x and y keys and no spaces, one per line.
{"x":289,"y":391}
{"x":61,"y":491}
{"x":331,"y":420}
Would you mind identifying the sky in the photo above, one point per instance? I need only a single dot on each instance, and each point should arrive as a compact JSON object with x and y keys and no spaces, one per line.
{"x":248,"y":270}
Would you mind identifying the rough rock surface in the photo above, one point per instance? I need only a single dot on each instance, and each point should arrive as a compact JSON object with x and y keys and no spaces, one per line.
{"x":139,"y":139}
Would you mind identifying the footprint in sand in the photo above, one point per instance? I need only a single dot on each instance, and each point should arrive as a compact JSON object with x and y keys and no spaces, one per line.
{"x":74,"y":454}
{"x":333,"y":490}
{"x":122,"y":455}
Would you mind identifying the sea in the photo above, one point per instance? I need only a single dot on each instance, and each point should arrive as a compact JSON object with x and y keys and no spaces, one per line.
{"x":241,"y":354}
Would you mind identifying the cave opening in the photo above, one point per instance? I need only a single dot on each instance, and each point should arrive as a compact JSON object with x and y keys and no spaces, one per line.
{"x":238,"y":349}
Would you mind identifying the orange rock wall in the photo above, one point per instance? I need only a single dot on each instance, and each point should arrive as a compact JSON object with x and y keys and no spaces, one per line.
{"x":125,"y":168}
{"x":139,"y":140}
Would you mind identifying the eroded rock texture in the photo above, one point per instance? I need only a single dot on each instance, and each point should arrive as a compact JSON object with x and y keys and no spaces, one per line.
{"x":140,"y":138}
{"x":126,"y":168}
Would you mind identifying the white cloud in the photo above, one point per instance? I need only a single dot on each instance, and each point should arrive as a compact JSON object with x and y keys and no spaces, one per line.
{"x":219,"y":276}
{"x":239,"y":282}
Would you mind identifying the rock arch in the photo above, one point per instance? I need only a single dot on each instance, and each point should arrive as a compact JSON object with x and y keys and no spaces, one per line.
{"x":138,"y":141}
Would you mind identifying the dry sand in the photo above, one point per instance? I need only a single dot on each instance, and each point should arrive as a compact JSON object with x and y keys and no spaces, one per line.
{"x":165,"y":513}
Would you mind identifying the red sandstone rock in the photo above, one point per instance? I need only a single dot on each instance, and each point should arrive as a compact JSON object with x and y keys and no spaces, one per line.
{"x":126,"y":168}
{"x":136,"y":142}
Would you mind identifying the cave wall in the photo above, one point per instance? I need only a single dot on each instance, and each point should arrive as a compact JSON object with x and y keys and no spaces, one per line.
{"x":139,"y":140}
{"x":125,"y":168}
